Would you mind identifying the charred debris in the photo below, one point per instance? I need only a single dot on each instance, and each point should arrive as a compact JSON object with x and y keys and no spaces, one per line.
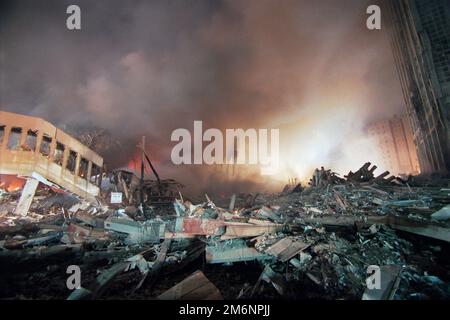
{"x":139,"y":238}
{"x":306,"y":242}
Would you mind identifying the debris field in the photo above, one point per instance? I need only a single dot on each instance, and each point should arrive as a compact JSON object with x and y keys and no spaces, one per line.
{"x":306,"y":242}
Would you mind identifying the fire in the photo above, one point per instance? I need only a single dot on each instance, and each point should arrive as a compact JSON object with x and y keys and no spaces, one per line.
{"x":134,"y":163}
{"x":11,"y":183}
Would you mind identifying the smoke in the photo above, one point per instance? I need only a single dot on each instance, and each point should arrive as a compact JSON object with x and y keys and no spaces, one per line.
{"x":311,"y":69}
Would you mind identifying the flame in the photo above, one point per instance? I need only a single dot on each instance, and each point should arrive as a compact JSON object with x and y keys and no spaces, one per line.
{"x":134,"y":164}
{"x":11,"y":183}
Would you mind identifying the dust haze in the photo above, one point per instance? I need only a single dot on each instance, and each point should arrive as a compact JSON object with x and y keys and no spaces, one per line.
{"x":309,"y":68}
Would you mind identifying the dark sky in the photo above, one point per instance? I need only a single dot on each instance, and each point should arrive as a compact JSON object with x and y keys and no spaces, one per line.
{"x":310,"y":68}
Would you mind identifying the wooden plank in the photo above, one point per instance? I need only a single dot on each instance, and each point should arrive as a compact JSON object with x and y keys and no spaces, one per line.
{"x":292,"y":250}
{"x":245,"y":230}
{"x":278,"y":247}
{"x":286,"y":248}
{"x":231,"y":254}
{"x":427,"y":230}
{"x":26,"y":198}
{"x":339,"y":201}
{"x":194,"y":287}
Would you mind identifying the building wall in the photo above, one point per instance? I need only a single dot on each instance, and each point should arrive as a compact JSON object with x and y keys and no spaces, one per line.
{"x":421,"y":47}
{"x":395,"y":141}
{"x":411,"y":148}
{"x":29,"y":146}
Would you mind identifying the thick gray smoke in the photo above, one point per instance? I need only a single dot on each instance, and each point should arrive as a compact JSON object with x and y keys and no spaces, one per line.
{"x":310,"y":68}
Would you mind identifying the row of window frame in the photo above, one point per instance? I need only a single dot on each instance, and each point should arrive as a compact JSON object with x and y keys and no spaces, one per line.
{"x":71,"y":160}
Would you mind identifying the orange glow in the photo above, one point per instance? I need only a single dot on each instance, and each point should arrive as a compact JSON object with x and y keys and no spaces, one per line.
{"x":135,"y":162}
{"x":11,"y":183}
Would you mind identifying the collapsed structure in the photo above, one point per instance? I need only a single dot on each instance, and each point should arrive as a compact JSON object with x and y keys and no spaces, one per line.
{"x":313,"y":242}
{"x":305,"y":242}
{"x":34,"y":149}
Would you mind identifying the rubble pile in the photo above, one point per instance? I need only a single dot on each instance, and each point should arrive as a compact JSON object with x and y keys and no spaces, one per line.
{"x":315,"y":242}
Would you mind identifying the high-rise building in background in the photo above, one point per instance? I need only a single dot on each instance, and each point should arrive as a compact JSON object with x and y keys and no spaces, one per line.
{"x":395,"y":141}
{"x":421,"y":46}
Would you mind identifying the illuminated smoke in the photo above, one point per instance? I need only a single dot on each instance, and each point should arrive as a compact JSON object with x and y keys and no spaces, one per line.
{"x":310,"y":68}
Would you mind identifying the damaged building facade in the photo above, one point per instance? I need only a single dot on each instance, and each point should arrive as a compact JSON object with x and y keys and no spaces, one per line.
{"x":396,"y":145}
{"x":421,"y":44}
{"x":34,"y":149}
{"x":301,"y":243}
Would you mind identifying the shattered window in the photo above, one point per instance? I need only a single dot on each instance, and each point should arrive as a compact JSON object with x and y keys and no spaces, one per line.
{"x":95,"y":174}
{"x":14,"y":138}
{"x":84,"y":165}
{"x":2,"y":134}
{"x":31,"y":140}
{"x":45,"y":145}
{"x":71,"y":161}
{"x":59,"y":153}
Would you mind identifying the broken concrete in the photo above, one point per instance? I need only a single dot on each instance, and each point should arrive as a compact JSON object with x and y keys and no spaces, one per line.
{"x":26,"y":198}
{"x":322,"y":238}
